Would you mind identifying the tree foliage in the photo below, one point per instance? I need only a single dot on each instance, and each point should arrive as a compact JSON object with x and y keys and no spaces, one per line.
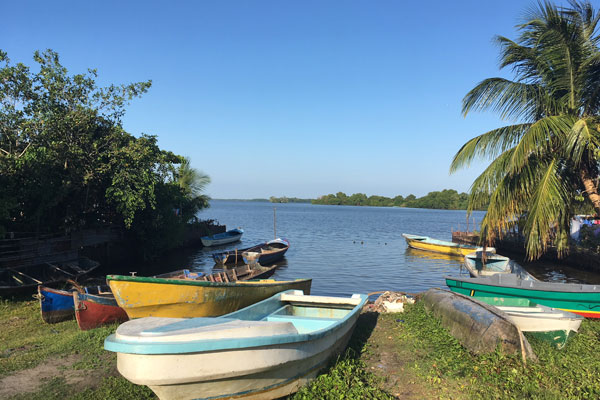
{"x":548,"y":160}
{"x":66,"y":161}
{"x":447,"y":199}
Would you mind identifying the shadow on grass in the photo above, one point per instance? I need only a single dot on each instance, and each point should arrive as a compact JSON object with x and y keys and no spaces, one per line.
{"x":362,"y":332}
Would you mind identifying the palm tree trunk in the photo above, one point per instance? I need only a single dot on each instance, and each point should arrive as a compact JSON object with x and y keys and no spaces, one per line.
{"x":591,"y":188}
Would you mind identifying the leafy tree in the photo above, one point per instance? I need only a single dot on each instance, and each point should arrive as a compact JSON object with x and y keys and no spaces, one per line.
{"x":547,"y":159}
{"x":66,"y":162}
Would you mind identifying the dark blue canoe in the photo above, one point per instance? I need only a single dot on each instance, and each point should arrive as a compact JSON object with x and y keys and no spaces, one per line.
{"x":267,"y":253}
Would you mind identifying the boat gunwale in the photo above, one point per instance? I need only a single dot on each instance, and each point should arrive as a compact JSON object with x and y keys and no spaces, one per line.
{"x":190,"y":282}
{"x":111,"y":343}
{"x":542,"y":286}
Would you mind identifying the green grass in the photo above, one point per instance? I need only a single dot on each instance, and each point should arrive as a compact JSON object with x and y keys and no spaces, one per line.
{"x":26,"y":341}
{"x":443,"y":367}
{"x":571,"y":373}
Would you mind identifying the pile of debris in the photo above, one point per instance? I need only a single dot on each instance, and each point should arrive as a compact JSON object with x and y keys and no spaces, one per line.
{"x":391,"y":302}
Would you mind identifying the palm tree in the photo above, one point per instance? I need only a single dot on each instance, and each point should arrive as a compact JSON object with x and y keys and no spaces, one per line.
{"x":548,"y":158}
{"x":193,"y":182}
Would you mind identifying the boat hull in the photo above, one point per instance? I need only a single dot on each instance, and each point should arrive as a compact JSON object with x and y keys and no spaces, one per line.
{"x":268,"y":372}
{"x":579,"y":299}
{"x":92,"y":311}
{"x":439,"y":246}
{"x":219,"y":239}
{"x":478,"y":326}
{"x":276,"y":346}
{"x":19,"y":281}
{"x":548,"y":324}
{"x":493,"y":264}
{"x":269,"y":252}
{"x":56,"y":305}
{"x":154,"y":297}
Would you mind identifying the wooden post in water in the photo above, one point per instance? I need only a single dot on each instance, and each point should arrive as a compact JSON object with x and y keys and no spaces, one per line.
{"x":275,"y":222}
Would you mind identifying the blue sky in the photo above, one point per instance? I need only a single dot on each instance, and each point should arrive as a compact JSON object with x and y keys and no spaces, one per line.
{"x":294,"y":98}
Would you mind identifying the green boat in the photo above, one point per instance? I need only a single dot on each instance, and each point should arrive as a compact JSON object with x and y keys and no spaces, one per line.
{"x":576,"y":298}
{"x":548,"y":324}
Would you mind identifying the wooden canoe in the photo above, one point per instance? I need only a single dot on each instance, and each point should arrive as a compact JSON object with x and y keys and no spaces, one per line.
{"x":267,"y":253}
{"x":187,"y":298}
{"x":17,"y":281}
{"x":265,"y":351}
{"x":573,"y":297}
{"x":55,"y":305}
{"x":479,"y":327}
{"x":441,"y":246}
{"x":58,"y":305}
{"x":94,"y":310}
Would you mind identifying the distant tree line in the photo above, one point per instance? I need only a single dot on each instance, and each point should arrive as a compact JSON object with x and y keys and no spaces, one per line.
{"x":447,"y":199}
{"x":284,"y":199}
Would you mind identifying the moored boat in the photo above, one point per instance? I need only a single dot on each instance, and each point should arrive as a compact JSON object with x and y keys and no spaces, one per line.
{"x":546,"y":323}
{"x":194,"y":297}
{"x":576,"y":298}
{"x":264,"y":351}
{"x":25,"y":280}
{"x":267,"y":253}
{"x":218,"y":239}
{"x":94,"y":310}
{"x":480,"y":263}
{"x":441,"y":246}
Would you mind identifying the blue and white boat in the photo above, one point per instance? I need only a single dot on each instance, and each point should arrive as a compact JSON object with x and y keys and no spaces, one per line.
{"x":218,"y":239}
{"x":264,"y":351}
{"x":480,"y":264}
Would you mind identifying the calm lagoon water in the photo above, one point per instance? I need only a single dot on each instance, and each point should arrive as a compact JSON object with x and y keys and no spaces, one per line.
{"x":346,"y":249}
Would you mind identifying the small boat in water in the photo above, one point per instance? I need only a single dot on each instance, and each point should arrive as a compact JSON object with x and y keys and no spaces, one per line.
{"x":481,"y":264}
{"x":197,"y":296}
{"x":574,"y":297}
{"x":94,"y":310}
{"x":441,"y":246}
{"x":25,"y":280}
{"x":548,"y":324}
{"x":218,"y":239}
{"x":265,"y":351}
{"x":266,"y":253}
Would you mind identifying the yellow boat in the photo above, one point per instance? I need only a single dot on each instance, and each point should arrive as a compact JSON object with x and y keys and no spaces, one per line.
{"x":440,"y":246}
{"x":189,"y":297}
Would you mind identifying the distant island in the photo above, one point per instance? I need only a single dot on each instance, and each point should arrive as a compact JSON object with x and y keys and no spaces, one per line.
{"x":284,"y":199}
{"x":447,"y":199}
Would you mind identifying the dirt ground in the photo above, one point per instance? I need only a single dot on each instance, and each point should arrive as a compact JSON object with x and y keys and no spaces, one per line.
{"x":387,"y":360}
{"x":31,"y":380}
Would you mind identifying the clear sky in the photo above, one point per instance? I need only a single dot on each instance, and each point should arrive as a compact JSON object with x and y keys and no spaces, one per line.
{"x":294,"y":98}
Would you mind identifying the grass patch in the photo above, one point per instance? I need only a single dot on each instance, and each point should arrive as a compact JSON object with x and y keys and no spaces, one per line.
{"x":418,"y":349}
{"x":25,"y":340}
{"x":571,"y":373}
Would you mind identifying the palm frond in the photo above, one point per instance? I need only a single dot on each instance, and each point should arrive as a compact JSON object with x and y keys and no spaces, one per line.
{"x":540,"y":139}
{"x":545,"y":209}
{"x":489,"y":145}
{"x":510,"y":99}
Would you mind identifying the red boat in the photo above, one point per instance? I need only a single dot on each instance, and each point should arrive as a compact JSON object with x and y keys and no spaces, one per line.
{"x":93,"y":310}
